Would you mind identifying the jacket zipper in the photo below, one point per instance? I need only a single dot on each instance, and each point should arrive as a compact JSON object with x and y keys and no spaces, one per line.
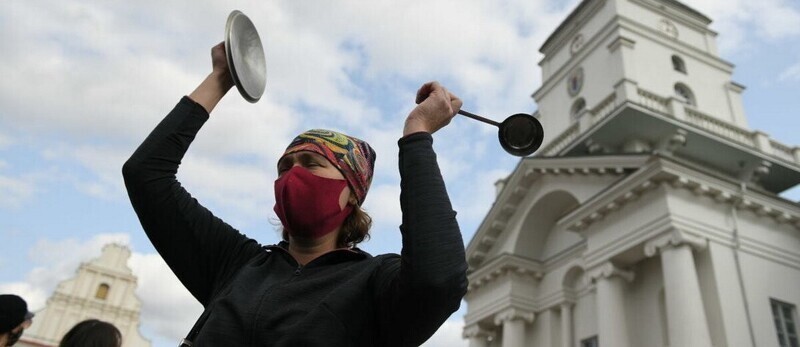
{"x":298,"y":270}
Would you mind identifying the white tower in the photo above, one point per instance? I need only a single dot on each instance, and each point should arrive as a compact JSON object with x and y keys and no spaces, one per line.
{"x":102,"y":289}
{"x":650,"y":217}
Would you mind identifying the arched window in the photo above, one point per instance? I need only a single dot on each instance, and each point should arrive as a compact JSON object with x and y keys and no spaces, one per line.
{"x":678,"y":64}
{"x":102,"y":291}
{"x":684,"y":94}
{"x":577,"y":107}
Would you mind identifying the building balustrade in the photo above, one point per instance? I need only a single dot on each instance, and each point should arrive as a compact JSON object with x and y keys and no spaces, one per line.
{"x":675,"y":109}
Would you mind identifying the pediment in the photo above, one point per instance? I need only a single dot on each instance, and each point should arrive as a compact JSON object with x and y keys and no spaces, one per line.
{"x":543,"y":188}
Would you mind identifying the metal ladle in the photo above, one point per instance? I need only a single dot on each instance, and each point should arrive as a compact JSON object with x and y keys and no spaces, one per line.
{"x":520,"y":134}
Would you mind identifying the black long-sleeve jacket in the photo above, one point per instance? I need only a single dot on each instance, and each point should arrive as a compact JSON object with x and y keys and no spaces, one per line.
{"x":259,"y":296}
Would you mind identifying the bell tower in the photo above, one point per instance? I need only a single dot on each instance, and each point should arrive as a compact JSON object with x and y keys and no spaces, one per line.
{"x":636,"y":76}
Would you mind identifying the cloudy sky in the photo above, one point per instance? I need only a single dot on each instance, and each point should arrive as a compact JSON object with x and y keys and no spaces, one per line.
{"x":83,"y":83}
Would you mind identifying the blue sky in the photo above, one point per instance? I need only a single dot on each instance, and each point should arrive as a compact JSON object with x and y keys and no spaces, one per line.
{"x":84,"y":82}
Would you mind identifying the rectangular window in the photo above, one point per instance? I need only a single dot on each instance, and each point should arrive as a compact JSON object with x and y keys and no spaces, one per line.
{"x":590,"y":342}
{"x":785,"y":317}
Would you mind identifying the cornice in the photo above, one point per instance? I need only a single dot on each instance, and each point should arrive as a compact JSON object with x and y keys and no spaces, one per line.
{"x":503,"y":265}
{"x":126,"y":275}
{"x":774,"y":207}
{"x":573,"y":23}
{"x":662,"y":171}
{"x":611,"y":199}
{"x":655,"y":36}
{"x":83,"y":303}
{"x":699,"y":21}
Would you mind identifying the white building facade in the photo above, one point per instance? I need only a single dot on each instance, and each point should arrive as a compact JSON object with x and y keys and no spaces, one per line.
{"x":102,"y":289}
{"x":651,"y":215}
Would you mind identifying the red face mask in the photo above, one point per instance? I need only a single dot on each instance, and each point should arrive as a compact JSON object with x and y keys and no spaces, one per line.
{"x":308,"y":205}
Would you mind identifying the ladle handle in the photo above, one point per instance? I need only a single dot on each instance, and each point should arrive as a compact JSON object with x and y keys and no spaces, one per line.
{"x":478,"y":118}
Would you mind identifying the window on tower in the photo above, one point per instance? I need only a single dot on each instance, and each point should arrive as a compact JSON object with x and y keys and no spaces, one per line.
{"x":684,"y":94}
{"x":577,"y":107}
{"x":678,"y":64}
{"x":102,"y":291}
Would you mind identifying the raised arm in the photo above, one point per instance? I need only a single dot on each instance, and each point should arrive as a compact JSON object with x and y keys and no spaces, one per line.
{"x":425,"y":286}
{"x":217,"y":83}
{"x":201,"y":249}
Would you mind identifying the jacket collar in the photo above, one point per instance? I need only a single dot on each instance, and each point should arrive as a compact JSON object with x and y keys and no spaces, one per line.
{"x":332,"y":257}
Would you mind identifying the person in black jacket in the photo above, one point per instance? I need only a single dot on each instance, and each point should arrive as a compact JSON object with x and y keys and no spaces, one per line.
{"x":316,"y":287}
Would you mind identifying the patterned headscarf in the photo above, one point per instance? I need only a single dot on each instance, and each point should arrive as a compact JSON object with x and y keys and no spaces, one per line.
{"x":353,"y":157}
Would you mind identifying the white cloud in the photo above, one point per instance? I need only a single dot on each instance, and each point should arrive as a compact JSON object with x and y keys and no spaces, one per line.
{"x":15,"y":191}
{"x":741,"y":22}
{"x":111,"y":71}
{"x":383,"y":205}
{"x":5,"y":141}
{"x":791,"y":73}
{"x":167,"y":307}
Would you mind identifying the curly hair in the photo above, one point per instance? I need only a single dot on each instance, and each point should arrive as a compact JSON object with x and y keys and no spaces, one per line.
{"x":355,"y":229}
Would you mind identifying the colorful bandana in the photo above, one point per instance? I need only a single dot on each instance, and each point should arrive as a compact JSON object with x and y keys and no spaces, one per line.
{"x":354,"y":158}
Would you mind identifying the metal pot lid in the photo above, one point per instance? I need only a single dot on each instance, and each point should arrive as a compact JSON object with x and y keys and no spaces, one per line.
{"x":245,"y":55}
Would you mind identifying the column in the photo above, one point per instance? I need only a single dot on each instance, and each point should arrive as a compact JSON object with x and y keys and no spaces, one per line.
{"x":513,"y":321}
{"x":611,"y":322}
{"x":566,"y":324}
{"x":477,"y":335}
{"x":686,"y":315}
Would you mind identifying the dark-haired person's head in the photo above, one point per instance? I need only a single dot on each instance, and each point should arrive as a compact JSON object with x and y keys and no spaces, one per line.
{"x":14,"y":318}
{"x":92,"y":333}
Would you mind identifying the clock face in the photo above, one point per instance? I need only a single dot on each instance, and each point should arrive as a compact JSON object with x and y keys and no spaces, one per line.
{"x":575,"y":82}
{"x":668,"y":28}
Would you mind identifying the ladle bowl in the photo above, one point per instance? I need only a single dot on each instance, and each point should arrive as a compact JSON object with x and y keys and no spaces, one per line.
{"x":520,"y":134}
